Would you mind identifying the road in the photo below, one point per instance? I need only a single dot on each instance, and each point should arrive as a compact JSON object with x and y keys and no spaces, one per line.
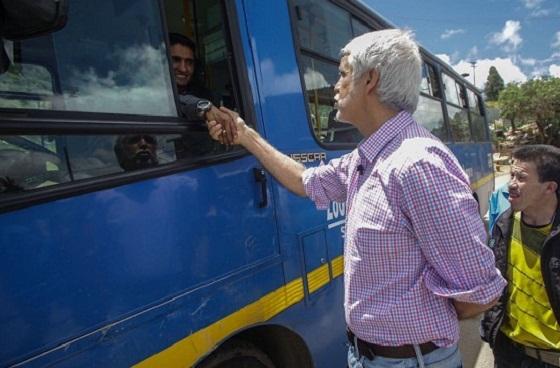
{"x":477,"y":354}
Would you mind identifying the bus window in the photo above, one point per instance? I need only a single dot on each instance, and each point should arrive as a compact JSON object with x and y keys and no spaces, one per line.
{"x":98,"y":62}
{"x":320,"y":78}
{"x":425,"y":86}
{"x":478,"y":122}
{"x":429,"y":111}
{"x":28,"y":165}
{"x":323,"y":30}
{"x":458,"y":115}
{"x":359,"y":28}
{"x":430,"y":114}
{"x":459,"y":124}
{"x":26,"y":86}
{"x":33,"y":162}
{"x":322,"y":27}
{"x":451,"y":92}
{"x":205,"y":23}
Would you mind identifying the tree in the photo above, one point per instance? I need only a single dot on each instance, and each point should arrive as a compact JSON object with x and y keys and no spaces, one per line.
{"x":542,"y":105}
{"x":494,"y":84}
{"x":538,"y":101}
{"x":511,"y":103}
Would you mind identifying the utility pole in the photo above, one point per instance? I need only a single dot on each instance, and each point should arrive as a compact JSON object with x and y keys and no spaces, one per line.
{"x":473,"y":63}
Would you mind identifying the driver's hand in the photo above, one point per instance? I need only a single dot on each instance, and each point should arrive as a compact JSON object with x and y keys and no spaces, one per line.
{"x":227,"y":123}
{"x":218,"y":132}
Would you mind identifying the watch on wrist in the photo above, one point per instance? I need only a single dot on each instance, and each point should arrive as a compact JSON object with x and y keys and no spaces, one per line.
{"x":202,"y":107}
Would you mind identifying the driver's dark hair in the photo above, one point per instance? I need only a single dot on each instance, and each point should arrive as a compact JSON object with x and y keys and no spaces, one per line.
{"x":177,"y":38}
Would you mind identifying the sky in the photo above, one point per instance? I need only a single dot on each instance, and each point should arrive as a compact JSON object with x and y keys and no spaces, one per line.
{"x":521,"y":38}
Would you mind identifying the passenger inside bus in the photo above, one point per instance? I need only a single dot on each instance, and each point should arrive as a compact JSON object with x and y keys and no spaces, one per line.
{"x":137,"y":151}
{"x":197,"y":102}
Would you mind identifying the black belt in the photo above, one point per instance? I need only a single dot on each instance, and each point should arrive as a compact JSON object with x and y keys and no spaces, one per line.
{"x":370,"y":350}
{"x":551,"y":357}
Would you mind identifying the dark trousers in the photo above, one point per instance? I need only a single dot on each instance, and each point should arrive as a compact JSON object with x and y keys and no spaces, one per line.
{"x":508,"y":355}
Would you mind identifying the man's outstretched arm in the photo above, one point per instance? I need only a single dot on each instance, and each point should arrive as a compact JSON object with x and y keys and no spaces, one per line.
{"x":286,"y":170}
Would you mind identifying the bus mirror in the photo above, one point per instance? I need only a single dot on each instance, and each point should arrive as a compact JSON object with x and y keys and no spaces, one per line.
{"x":21,"y":19}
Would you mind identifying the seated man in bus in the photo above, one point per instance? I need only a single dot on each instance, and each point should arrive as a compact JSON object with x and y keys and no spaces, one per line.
{"x":196,"y":101}
{"x":136,"y":151}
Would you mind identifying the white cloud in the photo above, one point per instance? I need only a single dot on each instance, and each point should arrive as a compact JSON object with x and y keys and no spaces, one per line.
{"x":289,"y":82}
{"x":538,"y":71}
{"x":529,"y":61}
{"x":556,"y":43}
{"x":445,"y":58}
{"x":554,"y":70}
{"x":507,"y":69}
{"x":138,"y":84}
{"x":315,"y":80}
{"x":473,"y":53}
{"x":451,"y":32}
{"x":540,"y":13}
{"x":509,"y":37}
{"x":532,"y":4}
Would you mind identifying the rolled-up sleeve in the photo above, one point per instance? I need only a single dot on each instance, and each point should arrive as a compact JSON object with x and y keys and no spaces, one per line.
{"x":327,"y":183}
{"x":444,"y":215}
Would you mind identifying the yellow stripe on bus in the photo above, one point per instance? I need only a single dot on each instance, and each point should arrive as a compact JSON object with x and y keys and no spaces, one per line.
{"x":189,"y":350}
{"x":481,"y":182}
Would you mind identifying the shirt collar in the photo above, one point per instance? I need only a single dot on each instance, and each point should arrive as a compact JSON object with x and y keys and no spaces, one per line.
{"x":370,"y":147}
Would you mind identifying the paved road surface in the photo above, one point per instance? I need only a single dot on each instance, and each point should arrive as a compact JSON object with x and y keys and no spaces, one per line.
{"x":476,"y":354}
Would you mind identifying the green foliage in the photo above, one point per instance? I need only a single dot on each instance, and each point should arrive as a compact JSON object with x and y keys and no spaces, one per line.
{"x":494,"y":84}
{"x":538,"y":101}
{"x":511,"y":103}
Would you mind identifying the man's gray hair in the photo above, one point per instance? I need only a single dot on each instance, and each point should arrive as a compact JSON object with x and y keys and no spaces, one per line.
{"x":394,"y":54}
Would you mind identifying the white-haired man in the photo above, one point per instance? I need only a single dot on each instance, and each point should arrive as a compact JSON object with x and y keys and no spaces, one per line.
{"x":415,"y":257}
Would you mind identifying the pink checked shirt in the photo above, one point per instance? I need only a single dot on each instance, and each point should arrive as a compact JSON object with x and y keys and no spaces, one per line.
{"x":414,"y":237}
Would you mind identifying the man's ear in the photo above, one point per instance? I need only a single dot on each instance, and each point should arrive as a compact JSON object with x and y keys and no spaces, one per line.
{"x":372,"y":78}
{"x":551,"y":187}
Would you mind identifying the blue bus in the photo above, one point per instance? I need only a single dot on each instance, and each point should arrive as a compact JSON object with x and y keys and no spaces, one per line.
{"x":129,"y":238}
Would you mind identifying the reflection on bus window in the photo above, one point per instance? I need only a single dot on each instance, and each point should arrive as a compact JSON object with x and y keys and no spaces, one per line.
{"x":430,"y":114}
{"x":323,"y":27}
{"x":98,"y":62}
{"x":451,"y":92}
{"x":32,"y":162}
{"x":26,"y":86}
{"x":478,"y":122}
{"x":459,"y":124}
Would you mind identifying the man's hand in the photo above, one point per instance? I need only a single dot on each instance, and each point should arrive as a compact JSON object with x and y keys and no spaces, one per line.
{"x":226,"y":121}
{"x":470,"y":310}
{"x":219,"y":132}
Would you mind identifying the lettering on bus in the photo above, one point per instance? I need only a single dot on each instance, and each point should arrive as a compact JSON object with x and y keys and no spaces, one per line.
{"x":306,"y":157}
{"x":336,"y":216}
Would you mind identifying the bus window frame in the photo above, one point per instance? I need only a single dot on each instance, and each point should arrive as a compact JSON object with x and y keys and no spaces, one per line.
{"x":48,"y":122}
{"x":354,"y":11}
{"x":460,"y":95}
{"x":478,"y":109}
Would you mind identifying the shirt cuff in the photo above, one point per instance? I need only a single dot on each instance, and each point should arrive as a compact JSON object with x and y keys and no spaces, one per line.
{"x":480,"y":294}
{"x":314,"y":189}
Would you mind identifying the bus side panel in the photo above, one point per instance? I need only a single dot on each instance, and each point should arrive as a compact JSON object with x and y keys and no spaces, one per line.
{"x":308,"y":238}
{"x":72,"y":266}
{"x":476,"y":159}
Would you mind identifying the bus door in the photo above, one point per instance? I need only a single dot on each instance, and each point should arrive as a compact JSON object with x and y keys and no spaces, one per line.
{"x":295,"y":87}
{"x":124,"y":229}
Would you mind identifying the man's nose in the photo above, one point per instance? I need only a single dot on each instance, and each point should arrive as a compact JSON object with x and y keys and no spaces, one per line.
{"x":183,"y":66}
